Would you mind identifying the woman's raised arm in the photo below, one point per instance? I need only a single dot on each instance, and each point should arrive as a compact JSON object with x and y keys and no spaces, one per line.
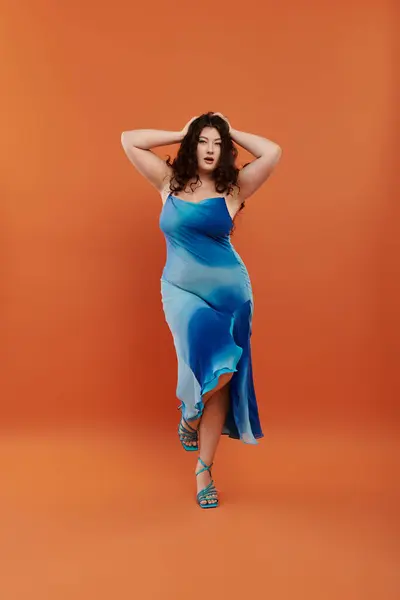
{"x":137,"y":145}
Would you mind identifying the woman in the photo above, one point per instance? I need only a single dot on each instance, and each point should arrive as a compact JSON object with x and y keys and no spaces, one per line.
{"x":206,"y":291}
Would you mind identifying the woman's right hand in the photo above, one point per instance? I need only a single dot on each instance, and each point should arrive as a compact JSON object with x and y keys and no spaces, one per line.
{"x":186,"y":128}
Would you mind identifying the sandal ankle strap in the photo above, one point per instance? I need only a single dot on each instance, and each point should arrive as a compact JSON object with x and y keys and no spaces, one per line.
{"x":205,"y":467}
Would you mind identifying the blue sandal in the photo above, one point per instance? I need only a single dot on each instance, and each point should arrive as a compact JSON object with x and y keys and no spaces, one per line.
{"x":208,"y":492}
{"x":187,"y":434}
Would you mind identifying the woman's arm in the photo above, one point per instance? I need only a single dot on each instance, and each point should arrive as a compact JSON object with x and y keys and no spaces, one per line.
{"x":267,"y":154}
{"x":137,"y":145}
{"x":257,"y":145}
{"x":145,"y":139}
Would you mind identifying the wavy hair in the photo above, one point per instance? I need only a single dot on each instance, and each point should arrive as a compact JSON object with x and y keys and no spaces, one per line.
{"x":185,"y":166}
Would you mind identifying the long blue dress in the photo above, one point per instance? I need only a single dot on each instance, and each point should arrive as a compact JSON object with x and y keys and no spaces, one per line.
{"x":208,"y":305}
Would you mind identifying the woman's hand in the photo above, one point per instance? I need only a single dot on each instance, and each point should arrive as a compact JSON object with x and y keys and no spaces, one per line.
{"x":186,"y":128}
{"x":217,"y":114}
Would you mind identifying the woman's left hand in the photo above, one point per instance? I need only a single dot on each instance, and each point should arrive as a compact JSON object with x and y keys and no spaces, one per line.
{"x":218,"y":114}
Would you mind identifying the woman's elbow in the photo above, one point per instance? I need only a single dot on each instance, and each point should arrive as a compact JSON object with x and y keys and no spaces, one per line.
{"x":124,"y":139}
{"x":277,"y":153}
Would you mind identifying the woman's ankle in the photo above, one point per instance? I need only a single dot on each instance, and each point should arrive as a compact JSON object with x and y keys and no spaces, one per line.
{"x":202,"y":464}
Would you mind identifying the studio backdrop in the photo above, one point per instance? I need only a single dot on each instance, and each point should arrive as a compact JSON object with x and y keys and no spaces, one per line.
{"x":83,"y":336}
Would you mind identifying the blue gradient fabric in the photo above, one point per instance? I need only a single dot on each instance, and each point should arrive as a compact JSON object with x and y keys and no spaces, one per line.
{"x":208,"y":305}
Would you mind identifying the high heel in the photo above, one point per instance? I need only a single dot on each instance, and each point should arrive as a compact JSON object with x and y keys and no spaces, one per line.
{"x":187,"y":434}
{"x":209,"y":491}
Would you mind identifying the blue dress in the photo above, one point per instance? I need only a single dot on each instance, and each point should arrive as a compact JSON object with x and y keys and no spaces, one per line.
{"x":208,"y":305}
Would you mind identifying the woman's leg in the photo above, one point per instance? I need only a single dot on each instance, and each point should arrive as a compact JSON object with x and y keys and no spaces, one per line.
{"x":194,"y":424}
{"x":216,"y":405}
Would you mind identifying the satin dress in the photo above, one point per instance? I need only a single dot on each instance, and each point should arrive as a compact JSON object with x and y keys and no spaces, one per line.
{"x":208,"y":305}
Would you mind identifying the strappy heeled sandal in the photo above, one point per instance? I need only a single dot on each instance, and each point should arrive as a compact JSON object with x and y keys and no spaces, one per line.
{"x":209,"y":491}
{"x":187,"y":434}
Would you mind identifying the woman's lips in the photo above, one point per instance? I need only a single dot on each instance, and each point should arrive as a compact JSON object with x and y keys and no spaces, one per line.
{"x":209,"y":160}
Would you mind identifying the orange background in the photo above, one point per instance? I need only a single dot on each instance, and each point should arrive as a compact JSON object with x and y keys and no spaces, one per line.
{"x":83,"y":331}
{"x":96,"y":495}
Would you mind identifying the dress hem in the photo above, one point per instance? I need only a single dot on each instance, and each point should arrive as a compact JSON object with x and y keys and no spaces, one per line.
{"x":257,"y":436}
{"x":209,"y":385}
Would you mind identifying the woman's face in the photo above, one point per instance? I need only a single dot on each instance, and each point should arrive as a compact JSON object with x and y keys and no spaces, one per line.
{"x":208,"y":149}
